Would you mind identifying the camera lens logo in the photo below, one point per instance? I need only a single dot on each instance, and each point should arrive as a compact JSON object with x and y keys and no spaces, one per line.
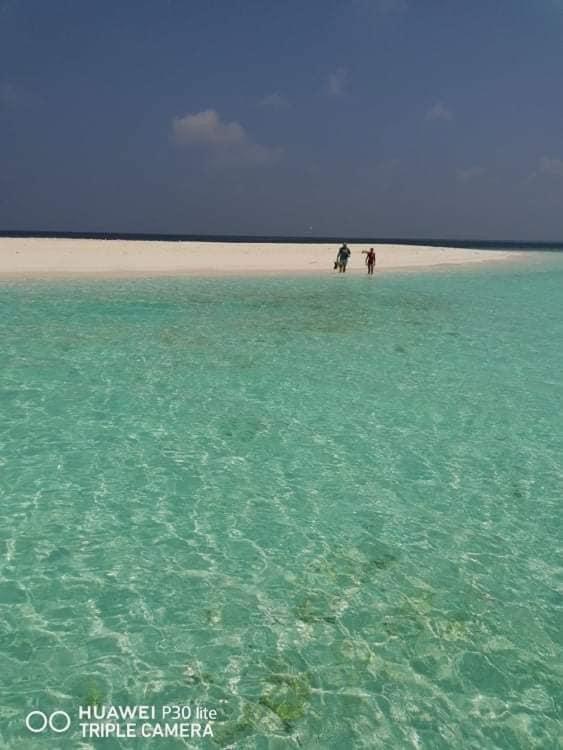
{"x":37,"y":721}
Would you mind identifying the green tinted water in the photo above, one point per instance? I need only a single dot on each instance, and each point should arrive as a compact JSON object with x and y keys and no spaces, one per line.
{"x":329,"y":509}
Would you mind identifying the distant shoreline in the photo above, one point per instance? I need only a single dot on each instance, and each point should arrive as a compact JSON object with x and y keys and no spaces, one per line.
{"x":23,"y":258}
{"x":479,"y":244}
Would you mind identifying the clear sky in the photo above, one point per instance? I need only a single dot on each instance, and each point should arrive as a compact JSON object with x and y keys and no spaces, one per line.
{"x":408,"y":118}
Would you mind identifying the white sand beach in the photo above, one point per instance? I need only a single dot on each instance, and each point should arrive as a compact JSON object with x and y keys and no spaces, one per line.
{"x":40,"y":257}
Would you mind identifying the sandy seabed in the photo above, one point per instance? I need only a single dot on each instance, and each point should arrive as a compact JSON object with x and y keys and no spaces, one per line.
{"x":41,"y":257}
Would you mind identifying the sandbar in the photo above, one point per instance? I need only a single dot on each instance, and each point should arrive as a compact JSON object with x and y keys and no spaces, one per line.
{"x":63,"y":257}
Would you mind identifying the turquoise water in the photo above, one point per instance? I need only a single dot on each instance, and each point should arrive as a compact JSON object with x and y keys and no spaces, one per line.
{"x":329,"y":509}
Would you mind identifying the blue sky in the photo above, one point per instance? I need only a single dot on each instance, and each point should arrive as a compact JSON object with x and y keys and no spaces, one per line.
{"x":409,"y":118}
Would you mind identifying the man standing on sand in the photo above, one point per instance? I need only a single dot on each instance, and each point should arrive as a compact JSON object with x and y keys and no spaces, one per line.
{"x":343,"y":257}
{"x":370,"y":260}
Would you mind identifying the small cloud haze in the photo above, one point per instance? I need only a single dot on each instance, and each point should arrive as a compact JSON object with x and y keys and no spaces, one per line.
{"x":206,"y":128}
{"x":13,"y":97}
{"x":337,"y":82}
{"x":7,"y":95}
{"x":275,"y":101}
{"x":227,"y":142}
{"x":469,"y":174}
{"x":439,"y":111}
{"x":551,"y":166}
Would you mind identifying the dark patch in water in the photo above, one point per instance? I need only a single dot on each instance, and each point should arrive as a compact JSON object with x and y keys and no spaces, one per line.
{"x":383,"y":563}
{"x":245,"y":429}
{"x":8,"y":393}
{"x":94,"y":695}
{"x":379,"y":554}
{"x":58,"y":554}
{"x":287,"y":696}
{"x":415,"y":302}
{"x":311,"y":612}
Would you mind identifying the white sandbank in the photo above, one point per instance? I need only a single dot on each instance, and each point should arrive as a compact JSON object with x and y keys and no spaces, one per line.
{"x":40,"y":257}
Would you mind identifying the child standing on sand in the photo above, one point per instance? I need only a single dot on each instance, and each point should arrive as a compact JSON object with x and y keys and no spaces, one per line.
{"x":370,"y":260}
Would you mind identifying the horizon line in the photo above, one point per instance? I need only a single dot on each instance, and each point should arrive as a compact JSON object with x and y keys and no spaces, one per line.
{"x":273,"y":239}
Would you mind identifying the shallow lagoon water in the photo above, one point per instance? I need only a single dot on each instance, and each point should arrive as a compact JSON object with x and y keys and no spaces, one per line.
{"x":329,"y":509}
